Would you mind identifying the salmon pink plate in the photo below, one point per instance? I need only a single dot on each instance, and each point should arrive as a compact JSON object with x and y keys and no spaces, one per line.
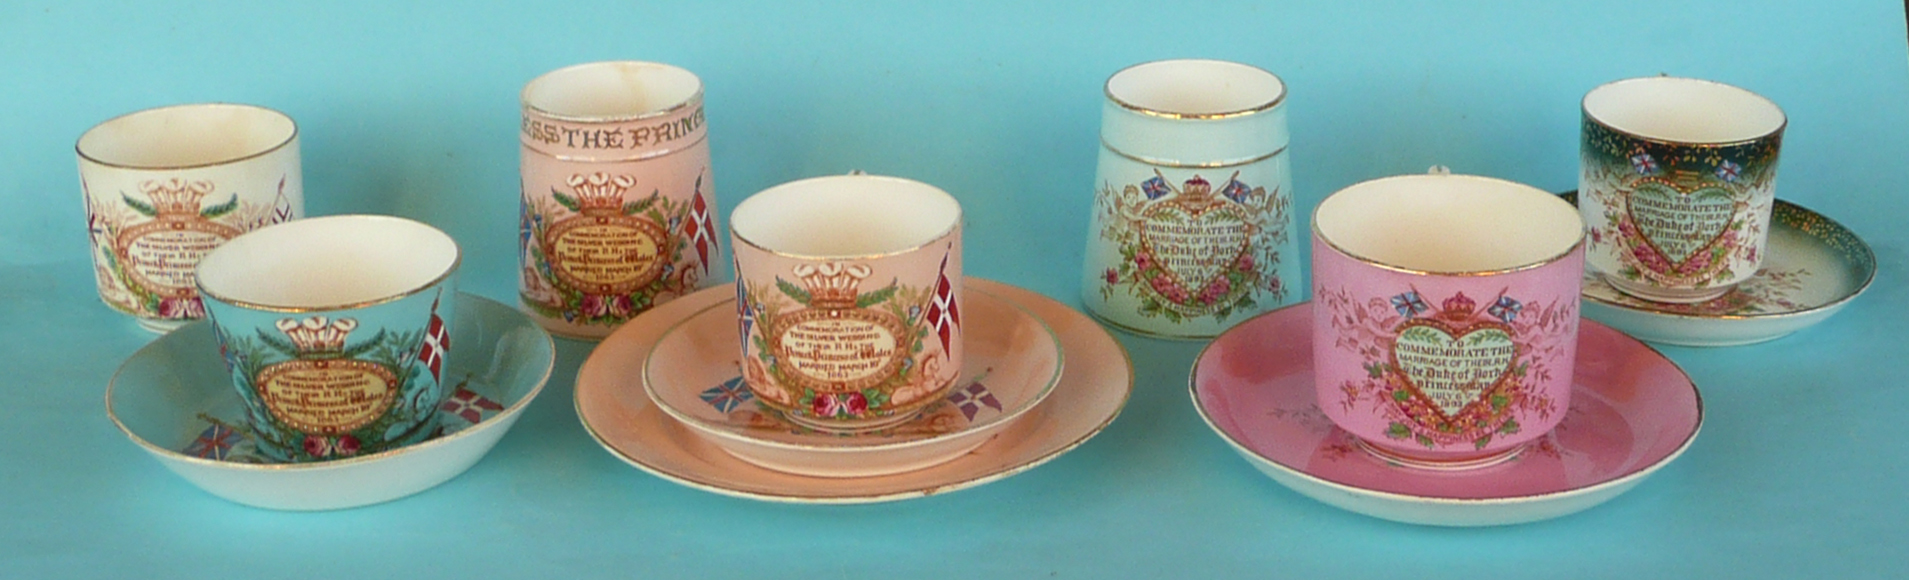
{"x":612,"y":403}
{"x":1632,"y":412}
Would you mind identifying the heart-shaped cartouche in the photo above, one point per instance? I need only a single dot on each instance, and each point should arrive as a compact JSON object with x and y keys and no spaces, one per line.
{"x":1195,"y":244}
{"x":1679,"y":224}
{"x":1449,"y":367}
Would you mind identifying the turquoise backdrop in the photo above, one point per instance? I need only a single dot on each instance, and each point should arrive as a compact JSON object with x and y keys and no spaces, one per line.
{"x":410,"y":108}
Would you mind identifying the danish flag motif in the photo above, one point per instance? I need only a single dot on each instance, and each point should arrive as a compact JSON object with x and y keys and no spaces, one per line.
{"x":943,"y":313}
{"x":701,"y":226}
{"x":437,"y":342}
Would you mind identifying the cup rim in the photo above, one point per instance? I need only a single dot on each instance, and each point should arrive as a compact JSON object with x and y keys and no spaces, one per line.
{"x":1584,"y":107}
{"x":1540,"y":263}
{"x":457,"y":260}
{"x":80,"y":149}
{"x":523,"y":96}
{"x":1107,"y":89}
{"x":954,"y":226}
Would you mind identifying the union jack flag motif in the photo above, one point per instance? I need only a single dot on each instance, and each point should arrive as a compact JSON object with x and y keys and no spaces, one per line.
{"x":701,"y":226}
{"x":1643,"y":163}
{"x":1410,"y":304}
{"x":943,"y":313}
{"x":1155,"y":188}
{"x":469,"y":405}
{"x":970,"y":400}
{"x":214,"y":443}
{"x":437,"y":343}
{"x":1236,"y":191}
{"x":1729,"y":171}
{"x":1505,"y":309}
{"x":728,"y":395}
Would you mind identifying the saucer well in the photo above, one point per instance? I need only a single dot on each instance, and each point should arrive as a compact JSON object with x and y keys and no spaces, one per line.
{"x":1812,"y":267}
{"x":1631,"y":413}
{"x":174,"y":398}
{"x":615,"y":410}
{"x":1012,"y":363}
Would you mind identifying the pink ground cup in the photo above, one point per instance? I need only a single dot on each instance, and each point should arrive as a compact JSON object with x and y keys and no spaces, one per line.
{"x":1446,"y":315}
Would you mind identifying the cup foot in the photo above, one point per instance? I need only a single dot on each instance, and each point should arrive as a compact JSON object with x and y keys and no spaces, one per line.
{"x":1459,"y":463}
{"x":161,"y":326}
{"x":1667,"y":295}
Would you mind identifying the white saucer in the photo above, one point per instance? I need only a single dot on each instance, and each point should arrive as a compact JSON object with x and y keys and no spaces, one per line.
{"x":1813,"y":267}
{"x":1012,"y":363}
{"x":615,"y":410}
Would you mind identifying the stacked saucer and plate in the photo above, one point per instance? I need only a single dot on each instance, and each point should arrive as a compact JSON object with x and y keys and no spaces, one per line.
{"x":850,"y":369}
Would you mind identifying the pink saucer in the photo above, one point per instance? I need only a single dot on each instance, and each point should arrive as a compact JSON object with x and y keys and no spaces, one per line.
{"x":1633,"y":411}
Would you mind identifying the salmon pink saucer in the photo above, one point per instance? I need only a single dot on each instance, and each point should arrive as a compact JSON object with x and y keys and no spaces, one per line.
{"x":615,"y":409}
{"x":1632,"y":412}
{"x":1012,"y":363}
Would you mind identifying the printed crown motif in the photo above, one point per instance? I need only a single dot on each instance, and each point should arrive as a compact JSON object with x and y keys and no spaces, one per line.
{"x":175,"y":196}
{"x":1457,"y":307}
{"x":832,"y":284}
{"x":317,"y":334}
{"x":600,"y":190}
{"x":1196,"y":194}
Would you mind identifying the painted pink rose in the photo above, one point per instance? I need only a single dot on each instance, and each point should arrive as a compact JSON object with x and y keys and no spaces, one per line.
{"x":181,"y":307}
{"x":855,"y":403}
{"x":1696,"y":263}
{"x":620,"y":306}
{"x":1246,"y":262}
{"x":1142,"y":260}
{"x":594,"y":306}
{"x":347,"y":445}
{"x":1112,"y":276}
{"x":317,"y":446}
{"x":823,"y":406}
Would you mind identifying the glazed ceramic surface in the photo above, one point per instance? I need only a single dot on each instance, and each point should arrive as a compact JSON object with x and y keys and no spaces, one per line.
{"x":174,"y":399}
{"x":849,"y":299}
{"x":335,"y":330}
{"x":616,"y":411}
{"x":1632,"y":413}
{"x":1013,"y":363}
{"x":1192,"y":218}
{"x":1447,"y":313}
{"x":1814,"y":267}
{"x":619,"y":210}
{"x":165,"y":186}
{"x":1679,"y":176}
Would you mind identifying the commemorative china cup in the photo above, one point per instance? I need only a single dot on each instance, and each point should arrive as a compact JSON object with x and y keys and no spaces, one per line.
{"x":1445,"y":316}
{"x":1192,"y":220}
{"x":164,"y":186}
{"x":618,"y":207}
{"x":1677,"y":182}
{"x":848,"y":294}
{"x":335,"y":330}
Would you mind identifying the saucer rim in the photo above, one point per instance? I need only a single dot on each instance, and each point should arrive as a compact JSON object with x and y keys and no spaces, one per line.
{"x":993,"y":424}
{"x":889,"y":496}
{"x":516,"y":408}
{"x":1820,"y":309}
{"x":1193,"y":391}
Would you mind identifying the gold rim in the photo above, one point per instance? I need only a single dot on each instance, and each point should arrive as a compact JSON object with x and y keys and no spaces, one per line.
{"x":1107,"y":88}
{"x":649,"y":388}
{"x":953,"y":228}
{"x":523,"y":96}
{"x":289,"y":139}
{"x":1583,"y":105}
{"x":1193,"y":391}
{"x":1211,"y":165}
{"x":1553,"y":259}
{"x":456,"y":261}
{"x":514,"y":409}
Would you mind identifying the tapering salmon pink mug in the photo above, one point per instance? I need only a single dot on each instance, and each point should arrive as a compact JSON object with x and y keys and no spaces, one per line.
{"x":848,"y":290}
{"x":1446,"y":317}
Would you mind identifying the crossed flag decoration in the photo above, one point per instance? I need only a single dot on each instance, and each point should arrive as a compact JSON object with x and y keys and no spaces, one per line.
{"x":437,"y":342}
{"x":943,"y":313}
